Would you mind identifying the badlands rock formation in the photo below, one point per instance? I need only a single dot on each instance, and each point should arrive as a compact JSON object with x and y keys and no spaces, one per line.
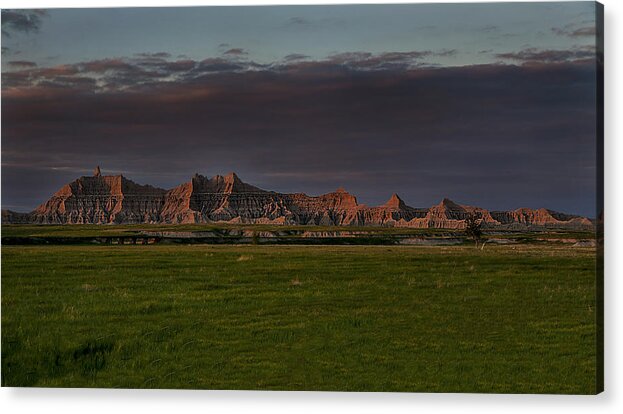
{"x":101,"y":199}
{"x":115,"y":199}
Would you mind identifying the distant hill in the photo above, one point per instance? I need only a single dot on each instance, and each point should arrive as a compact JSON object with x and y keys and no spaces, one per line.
{"x":100,"y":199}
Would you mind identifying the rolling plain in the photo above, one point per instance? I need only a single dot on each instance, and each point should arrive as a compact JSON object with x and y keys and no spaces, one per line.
{"x":516,"y":317}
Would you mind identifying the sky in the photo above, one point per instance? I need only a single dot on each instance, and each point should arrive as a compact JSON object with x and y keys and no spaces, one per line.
{"x":487,"y":104}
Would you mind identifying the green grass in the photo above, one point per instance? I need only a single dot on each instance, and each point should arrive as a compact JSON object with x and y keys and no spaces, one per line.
{"x":115,"y":230}
{"x":350,"y":318}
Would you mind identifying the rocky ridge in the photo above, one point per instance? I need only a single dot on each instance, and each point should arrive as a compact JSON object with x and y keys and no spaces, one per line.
{"x":115,"y":199}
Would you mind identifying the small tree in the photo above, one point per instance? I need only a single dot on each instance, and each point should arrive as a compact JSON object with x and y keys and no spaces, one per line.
{"x":473,"y":228}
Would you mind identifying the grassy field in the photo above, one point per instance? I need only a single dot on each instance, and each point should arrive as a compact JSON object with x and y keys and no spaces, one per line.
{"x":351,"y":318}
{"x":96,"y":230}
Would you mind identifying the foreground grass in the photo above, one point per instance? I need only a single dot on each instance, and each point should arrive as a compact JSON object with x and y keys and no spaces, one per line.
{"x":350,"y":318}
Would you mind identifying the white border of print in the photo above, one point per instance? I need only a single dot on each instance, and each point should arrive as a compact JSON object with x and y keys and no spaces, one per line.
{"x":102,"y":401}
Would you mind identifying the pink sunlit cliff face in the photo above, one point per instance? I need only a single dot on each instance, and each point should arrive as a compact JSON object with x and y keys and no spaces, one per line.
{"x":102,"y":199}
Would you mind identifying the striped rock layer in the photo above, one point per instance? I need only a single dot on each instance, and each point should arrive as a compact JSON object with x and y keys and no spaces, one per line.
{"x":117,"y":200}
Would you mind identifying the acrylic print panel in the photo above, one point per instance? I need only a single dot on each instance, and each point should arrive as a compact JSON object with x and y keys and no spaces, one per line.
{"x":342,"y":198}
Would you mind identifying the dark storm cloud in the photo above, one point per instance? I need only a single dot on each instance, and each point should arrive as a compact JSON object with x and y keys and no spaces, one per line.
{"x":588,"y":31}
{"x":446,"y":52}
{"x":380,"y":61}
{"x":21,"y":64}
{"x":584,"y":31}
{"x":148,"y":68}
{"x":156,"y":55}
{"x":499,"y":136}
{"x":235,"y":52}
{"x":391,"y":58}
{"x":549,"y":56}
{"x":295,"y":56}
{"x":181,"y":65}
{"x":21,"y":21}
{"x":107,"y":65}
{"x":368,"y":59}
{"x":211,"y":65}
